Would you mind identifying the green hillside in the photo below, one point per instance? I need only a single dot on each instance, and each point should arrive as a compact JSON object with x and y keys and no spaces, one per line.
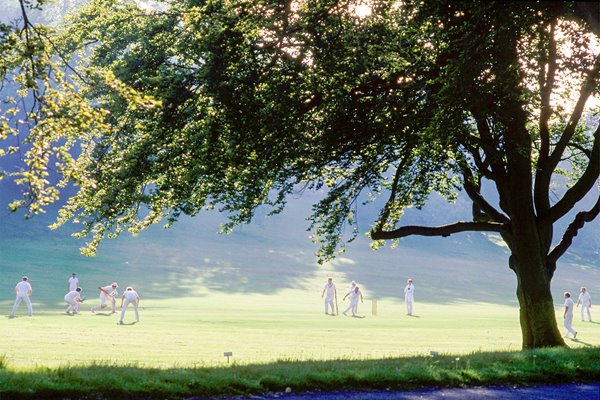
{"x":267,"y":257}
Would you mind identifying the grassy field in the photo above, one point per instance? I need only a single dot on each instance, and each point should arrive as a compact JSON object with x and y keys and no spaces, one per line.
{"x":256,"y":293}
{"x":131,"y":382}
{"x":193,"y":332}
{"x":278,"y":342}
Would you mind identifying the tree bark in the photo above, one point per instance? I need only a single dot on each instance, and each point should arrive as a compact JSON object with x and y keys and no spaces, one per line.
{"x":536,"y":313}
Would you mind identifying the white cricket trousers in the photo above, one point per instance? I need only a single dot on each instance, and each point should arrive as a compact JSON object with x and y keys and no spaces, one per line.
{"x":25,"y":298}
{"x":353,"y":306}
{"x":103,"y":299}
{"x":329,"y":302}
{"x":588,"y":312}
{"x":409,"y":306}
{"x":135,"y":308}
{"x":569,"y":325}
{"x":73,"y":305}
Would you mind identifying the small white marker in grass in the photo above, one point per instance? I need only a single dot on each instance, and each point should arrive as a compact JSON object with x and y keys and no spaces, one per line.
{"x":228,"y":354}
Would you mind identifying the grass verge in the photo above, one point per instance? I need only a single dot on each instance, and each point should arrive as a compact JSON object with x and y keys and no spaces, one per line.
{"x":104,"y":381}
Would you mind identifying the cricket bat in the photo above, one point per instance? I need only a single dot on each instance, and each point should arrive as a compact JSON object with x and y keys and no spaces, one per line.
{"x":105,"y":292}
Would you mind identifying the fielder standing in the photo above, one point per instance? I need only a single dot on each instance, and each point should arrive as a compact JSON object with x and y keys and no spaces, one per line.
{"x":330,"y":293}
{"x":73,"y":298}
{"x":569,"y":316}
{"x":107,"y":293}
{"x":23,"y":291}
{"x":130,"y":296}
{"x":409,"y":296}
{"x":352,"y":287}
{"x":586,"y":303}
{"x":73,"y":282}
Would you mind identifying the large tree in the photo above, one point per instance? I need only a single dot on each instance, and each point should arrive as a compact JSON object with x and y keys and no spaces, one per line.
{"x":236,"y":104}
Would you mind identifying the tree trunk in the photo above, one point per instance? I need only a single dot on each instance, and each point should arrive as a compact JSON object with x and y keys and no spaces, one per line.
{"x":538,"y":319}
{"x":529,"y":240}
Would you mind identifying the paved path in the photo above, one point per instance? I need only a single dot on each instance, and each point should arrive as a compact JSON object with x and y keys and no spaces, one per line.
{"x":575,"y":391}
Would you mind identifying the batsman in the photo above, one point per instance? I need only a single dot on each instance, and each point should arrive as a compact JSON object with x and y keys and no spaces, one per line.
{"x":107,"y":293}
{"x":330,"y":293}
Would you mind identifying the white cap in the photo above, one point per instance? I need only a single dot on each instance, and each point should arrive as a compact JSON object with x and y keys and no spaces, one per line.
{"x":114,"y":284}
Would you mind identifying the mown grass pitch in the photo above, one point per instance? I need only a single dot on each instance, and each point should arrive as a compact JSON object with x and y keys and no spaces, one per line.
{"x":290,"y":325}
{"x":258,"y":296}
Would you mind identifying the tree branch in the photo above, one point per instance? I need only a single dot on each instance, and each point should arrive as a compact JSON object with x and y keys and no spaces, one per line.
{"x":474,"y":193}
{"x":581,"y":187}
{"x":546,"y":82}
{"x":386,"y":210}
{"x":588,"y":87}
{"x":498,"y":170}
{"x":483,"y":166}
{"x":583,"y":150}
{"x":580,"y":219}
{"x":444,"y":230}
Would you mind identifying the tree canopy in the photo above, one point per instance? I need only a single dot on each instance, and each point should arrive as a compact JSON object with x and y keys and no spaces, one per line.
{"x":44,"y":114}
{"x":237,"y":104}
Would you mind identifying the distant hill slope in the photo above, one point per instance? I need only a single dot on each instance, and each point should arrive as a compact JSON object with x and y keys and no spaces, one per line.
{"x":274,"y":253}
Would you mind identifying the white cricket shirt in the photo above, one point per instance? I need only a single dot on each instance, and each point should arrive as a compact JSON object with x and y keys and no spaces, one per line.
{"x":23,"y":287}
{"x":73,"y":283}
{"x":329,"y":290}
{"x":72,"y":295}
{"x":584,"y":298}
{"x":569,"y":305}
{"x":130,"y":295}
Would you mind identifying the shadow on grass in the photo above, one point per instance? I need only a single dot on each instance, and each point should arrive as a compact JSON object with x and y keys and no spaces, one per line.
{"x":582,"y":343}
{"x":104,"y":314}
{"x":99,"y":381}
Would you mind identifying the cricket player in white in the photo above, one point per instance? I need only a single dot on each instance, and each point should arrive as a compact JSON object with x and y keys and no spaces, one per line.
{"x":409,"y":296}
{"x":586,"y":303}
{"x":354,"y":296}
{"x":73,"y":298}
{"x":569,"y":315}
{"x":330,"y":294}
{"x":352,"y":287}
{"x":23,"y":291}
{"x":130,"y":296}
{"x":73,"y":282}
{"x":107,"y":293}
